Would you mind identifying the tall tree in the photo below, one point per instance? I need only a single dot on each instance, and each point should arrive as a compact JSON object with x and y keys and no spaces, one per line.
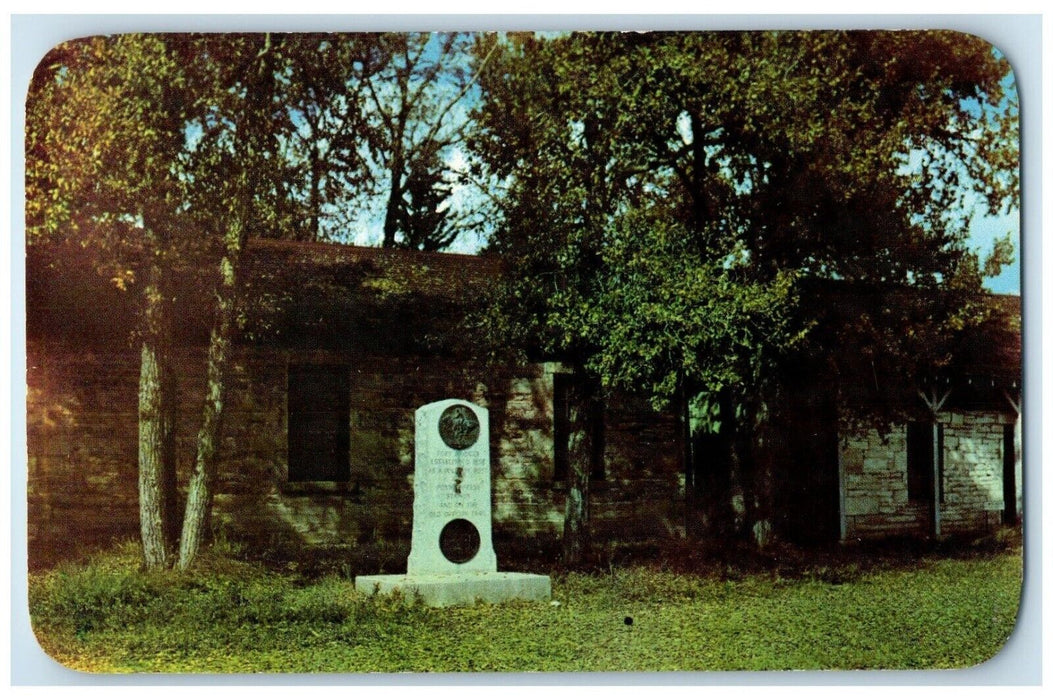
{"x":161,"y":149}
{"x":680,"y":206}
{"x":154,"y":150}
{"x":557,"y":146}
{"x":239,"y":172}
{"x":104,"y":138}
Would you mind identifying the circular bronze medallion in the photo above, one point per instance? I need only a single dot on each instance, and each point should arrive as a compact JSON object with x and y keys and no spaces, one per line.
{"x":459,"y":427}
{"x":459,"y":541}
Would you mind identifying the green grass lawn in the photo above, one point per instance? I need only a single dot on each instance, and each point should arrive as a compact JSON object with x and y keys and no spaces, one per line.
{"x":106,"y":616}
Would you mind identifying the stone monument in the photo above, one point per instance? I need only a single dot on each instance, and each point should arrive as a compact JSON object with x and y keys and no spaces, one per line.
{"x":452,"y":557}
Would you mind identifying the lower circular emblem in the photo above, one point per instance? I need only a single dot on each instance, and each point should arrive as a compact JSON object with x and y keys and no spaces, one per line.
{"x":459,"y":427}
{"x":459,"y":541}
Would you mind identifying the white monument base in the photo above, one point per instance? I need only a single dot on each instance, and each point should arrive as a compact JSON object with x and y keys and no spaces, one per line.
{"x":452,"y":559}
{"x":441,"y":590}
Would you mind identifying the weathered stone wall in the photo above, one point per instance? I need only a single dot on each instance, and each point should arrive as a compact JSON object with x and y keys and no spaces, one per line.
{"x":973,"y":453}
{"x":82,"y":451}
{"x":874,"y":484}
{"x":874,"y":479}
{"x":82,"y":439}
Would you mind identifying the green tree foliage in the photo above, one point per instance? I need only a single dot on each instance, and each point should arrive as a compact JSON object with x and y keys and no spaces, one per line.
{"x":106,"y":170}
{"x":377,"y":138}
{"x":159,"y":151}
{"x":694,"y":215}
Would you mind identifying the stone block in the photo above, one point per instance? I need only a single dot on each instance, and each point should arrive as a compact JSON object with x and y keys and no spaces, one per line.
{"x":443,"y":590}
{"x":861,"y":506}
{"x":876,"y":464}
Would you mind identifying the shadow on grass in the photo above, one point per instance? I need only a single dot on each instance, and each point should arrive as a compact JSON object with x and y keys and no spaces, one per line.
{"x":834,"y":563}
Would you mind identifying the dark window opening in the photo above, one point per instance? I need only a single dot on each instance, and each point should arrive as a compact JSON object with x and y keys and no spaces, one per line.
{"x":565,"y":390}
{"x":319,"y":423}
{"x":920,"y":478}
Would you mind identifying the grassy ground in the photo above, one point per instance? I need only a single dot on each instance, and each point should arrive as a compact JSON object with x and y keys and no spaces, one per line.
{"x":934,"y":612}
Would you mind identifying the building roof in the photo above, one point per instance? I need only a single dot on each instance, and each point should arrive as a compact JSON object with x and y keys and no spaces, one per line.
{"x":293,"y":292}
{"x":326,"y":295}
{"x":430,"y":273}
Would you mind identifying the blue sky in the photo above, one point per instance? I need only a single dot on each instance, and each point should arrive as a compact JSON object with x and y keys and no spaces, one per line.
{"x":982,"y":234}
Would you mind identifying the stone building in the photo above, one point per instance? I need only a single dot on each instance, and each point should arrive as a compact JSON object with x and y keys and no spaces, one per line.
{"x":340,"y":345}
{"x":958,"y":466}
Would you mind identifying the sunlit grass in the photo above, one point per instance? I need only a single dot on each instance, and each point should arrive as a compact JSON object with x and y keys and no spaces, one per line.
{"x":107,"y":616}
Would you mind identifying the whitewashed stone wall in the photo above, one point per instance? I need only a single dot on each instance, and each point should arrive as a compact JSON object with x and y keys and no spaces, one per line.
{"x":873,"y":470}
{"x":972,"y":464}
